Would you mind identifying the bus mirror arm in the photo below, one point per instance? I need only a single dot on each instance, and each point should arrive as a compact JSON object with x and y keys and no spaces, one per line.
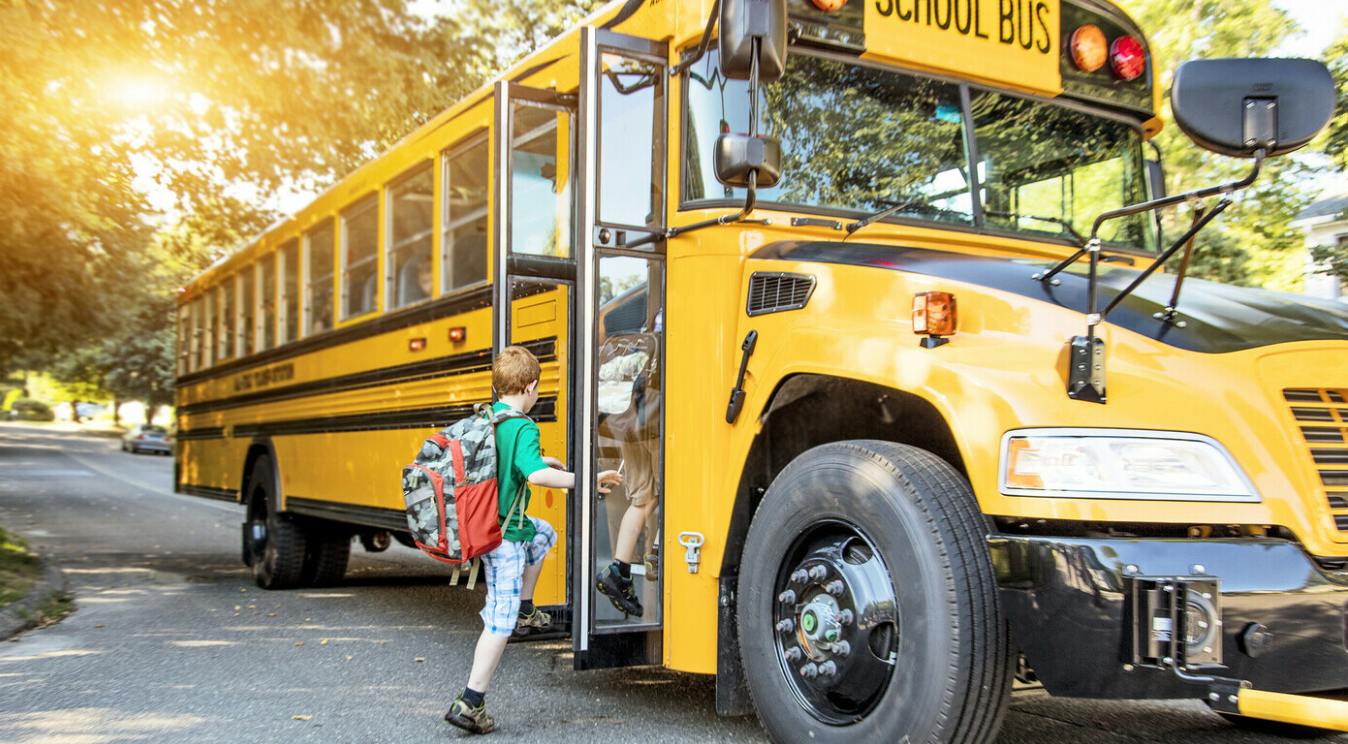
{"x":1086,"y":361}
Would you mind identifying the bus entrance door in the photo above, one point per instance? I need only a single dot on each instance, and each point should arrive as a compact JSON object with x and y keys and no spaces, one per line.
{"x":534,"y":282}
{"x":620,"y":325}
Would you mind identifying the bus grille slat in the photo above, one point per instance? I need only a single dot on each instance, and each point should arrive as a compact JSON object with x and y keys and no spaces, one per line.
{"x":1312,"y":406}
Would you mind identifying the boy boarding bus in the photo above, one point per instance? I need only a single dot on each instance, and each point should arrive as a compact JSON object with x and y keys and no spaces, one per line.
{"x":867,"y":294}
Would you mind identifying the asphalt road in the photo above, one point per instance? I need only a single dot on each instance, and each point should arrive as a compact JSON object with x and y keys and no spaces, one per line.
{"x":172,"y":642}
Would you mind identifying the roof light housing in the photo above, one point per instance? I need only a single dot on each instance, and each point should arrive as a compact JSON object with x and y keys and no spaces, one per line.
{"x":1127,"y":58}
{"x":1089,"y":48}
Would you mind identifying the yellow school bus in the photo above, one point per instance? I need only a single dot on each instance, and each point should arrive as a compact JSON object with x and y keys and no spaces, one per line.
{"x":865,"y":295}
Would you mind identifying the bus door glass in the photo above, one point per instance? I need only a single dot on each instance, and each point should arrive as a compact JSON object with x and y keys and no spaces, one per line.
{"x":624,"y":103}
{"x":534,"y":281}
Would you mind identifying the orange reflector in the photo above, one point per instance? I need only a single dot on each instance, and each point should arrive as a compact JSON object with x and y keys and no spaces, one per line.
{"x":1089,"y":48}
{"x":934,"y":313}
{"x":1022,"y":465}
{"x":458,"y":333}
{"x":1127,"y":58}
{"x":416,"y":344}
{"x":828,"y":6}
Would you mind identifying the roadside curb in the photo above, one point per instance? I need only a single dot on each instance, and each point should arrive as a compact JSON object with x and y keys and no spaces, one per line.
{"x":21,"y":615}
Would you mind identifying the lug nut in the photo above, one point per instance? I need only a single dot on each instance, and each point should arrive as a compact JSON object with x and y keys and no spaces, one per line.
{"x":835,"y":587}
{"x":787,"y":597}
{"x":800,"y":576}
{"x":845,"y":617}
{"x":793,"y":654}
{"x":818,"y":573}
{"x":810,"y":671}
{"x":787,"y":625}
{"x":828,"y":669}
{"x":842,"y":648}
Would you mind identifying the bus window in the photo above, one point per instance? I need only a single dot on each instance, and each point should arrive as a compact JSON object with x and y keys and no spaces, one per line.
{"x":630,"y":143}
{"x":184,"y":314}
{"x":198,"y":332}
{"x":318,"y":300}
{"x":360,"y":258}
{"x":266,"y":302}
{"x":247,"y":332}
{"x":540,"y":205}
{"x":1049,"y":170}
{"x":227,"y":320}
{"x":290,"y":291}
{"x":208,"y":335}
{"x":463,"y":259}
{"x":408,"y":264}
{"x":854,"y":138}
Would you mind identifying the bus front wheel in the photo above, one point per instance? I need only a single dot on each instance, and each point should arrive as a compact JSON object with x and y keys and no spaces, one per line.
{"x":868,"y":609}
{"x":274,"y":545}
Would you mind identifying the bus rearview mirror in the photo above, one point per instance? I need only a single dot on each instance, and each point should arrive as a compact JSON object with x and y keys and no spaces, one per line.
{"x":744,"y":22}
{"x":1238,"y":106}
{"x":738,"y":155}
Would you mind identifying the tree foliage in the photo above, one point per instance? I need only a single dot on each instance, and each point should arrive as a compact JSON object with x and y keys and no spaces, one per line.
{"x":1252,"y":241}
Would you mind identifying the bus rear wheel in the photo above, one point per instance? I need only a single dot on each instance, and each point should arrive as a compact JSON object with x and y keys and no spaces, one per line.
{"x":868,"y":608}
{"x":274,"y":545}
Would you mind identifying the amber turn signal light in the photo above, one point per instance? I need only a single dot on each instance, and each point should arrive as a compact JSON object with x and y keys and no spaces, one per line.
{"x":416,"y":344}
{"x":934,"y":313}
{"x":1089,"y":48}
{"x":458,"y":333}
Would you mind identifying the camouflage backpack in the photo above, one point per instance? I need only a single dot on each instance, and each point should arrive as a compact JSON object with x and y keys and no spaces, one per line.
{"x":451,"y":490}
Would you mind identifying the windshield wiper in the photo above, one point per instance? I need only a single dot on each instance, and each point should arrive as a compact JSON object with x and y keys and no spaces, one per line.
{"x":1064,"y":224}
{"x":887,"y":211}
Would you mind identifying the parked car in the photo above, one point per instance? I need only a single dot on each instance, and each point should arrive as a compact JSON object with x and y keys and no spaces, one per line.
{"x":147,"y":438}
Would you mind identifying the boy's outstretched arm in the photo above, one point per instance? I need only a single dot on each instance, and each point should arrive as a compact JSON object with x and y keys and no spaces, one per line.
{"x":554,"y":478}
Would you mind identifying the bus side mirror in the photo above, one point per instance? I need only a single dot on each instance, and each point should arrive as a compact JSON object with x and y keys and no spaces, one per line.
{"x":738,"y":155}
{"x":1237,"y":106}
{"x":752,"y":29}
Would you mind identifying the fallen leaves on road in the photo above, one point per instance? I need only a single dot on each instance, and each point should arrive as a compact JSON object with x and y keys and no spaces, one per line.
{"x":301,"y":643}
{"x":300,"y":718}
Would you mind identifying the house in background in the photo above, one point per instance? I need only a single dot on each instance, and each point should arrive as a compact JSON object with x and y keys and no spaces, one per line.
{"x":1325,"y":223}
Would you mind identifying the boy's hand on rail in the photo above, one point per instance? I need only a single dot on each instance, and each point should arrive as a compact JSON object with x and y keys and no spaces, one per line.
{"x":609,"y":478}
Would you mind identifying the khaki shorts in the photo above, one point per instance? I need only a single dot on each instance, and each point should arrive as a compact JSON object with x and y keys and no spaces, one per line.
{"x":641,"y":473}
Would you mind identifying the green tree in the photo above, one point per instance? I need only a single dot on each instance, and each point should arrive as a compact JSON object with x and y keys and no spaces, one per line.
{"x":1251,"y":242}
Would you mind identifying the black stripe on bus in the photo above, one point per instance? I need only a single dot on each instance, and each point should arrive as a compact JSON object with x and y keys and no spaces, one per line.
{"x":530,"y":72}
{"x":413,"y":418}
{"x":210,"y":492}
{"x":458,"y":364}
{"x":628,"y":10}
{"x":472,"y":299}
{"x":389,"y":519}
{"x":205,"y":432}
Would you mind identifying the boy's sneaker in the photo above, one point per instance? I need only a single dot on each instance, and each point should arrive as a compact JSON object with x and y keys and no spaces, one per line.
{"x":539,"y":622}
{"x":468,"y":718}
{"x":619,"y":591}
{"x":652,"y":561}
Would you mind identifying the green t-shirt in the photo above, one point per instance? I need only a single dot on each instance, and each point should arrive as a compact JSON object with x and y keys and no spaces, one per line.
{"x":517,"y":457}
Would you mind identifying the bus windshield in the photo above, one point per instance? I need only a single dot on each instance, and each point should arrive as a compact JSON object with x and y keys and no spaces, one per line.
{"x":858,"y":139}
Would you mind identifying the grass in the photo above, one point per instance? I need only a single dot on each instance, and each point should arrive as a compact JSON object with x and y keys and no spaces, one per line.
{"x":19,"y":570}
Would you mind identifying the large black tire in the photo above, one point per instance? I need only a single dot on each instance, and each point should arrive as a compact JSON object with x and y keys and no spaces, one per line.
{"x":329,"y":551}
{"x":871,"y":511}
{"x":274,"y":544}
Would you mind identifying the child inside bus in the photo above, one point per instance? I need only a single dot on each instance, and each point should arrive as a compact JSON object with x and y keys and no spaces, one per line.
{"x":513,"y":568}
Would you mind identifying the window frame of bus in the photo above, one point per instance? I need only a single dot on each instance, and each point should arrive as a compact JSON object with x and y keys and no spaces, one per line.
{"x":288,"y":314}
{"x":266,"y":318}
{"x":198,"y":315}
{"x":247,"y":289}
{"x":212,"y":319}
{"x":184,"y":326}
{"x":358,"y":209}
{"x":310,"y":282}
{"x":449,"y":223}
{"x":979,"y":224}
{"x":391,"y":266}
{"x":228,"y":338}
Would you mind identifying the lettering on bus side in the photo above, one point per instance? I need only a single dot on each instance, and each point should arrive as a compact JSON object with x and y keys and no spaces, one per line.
{"x":261,"y":378}
{"x":1021,"y":22}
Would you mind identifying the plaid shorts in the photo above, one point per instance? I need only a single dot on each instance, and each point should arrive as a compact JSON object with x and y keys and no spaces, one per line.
{"x":505,"y":576}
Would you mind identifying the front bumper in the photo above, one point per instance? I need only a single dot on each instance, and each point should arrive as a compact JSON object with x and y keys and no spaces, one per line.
{"x":1068,"y":603}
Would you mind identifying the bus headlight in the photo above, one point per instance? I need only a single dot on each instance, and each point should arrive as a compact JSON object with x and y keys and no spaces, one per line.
{"x":1120,"y":464}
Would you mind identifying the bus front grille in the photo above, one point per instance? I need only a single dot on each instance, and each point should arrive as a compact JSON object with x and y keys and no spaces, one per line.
{"x":1322,"y":417}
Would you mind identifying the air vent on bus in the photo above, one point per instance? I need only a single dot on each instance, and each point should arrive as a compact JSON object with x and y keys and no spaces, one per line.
{"x":775,"y":291}
{"x":1325,"y":417}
